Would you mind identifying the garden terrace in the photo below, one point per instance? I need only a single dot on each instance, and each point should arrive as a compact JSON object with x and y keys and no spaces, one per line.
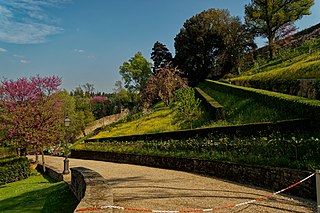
{"x":290,"y":105}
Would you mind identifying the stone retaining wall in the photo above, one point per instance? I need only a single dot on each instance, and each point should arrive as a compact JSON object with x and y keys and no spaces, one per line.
{"x":104,"y":122}
{"x":90,"y":188}
{"x":267,"y":177}
{"x":51,"y":171}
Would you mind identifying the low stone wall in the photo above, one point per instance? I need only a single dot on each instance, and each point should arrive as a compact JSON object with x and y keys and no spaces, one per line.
{"x":51,"y":171}
{"x":267,"y":177}
{"x":211,"y":105}
{"x":105,"y":121}
{"x":91,"y":189}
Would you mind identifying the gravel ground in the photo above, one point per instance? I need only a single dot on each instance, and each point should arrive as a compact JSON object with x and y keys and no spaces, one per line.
{"x":160,"y":189}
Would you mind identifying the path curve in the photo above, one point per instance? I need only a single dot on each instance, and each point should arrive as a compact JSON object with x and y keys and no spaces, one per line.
{"x":162,"y":189}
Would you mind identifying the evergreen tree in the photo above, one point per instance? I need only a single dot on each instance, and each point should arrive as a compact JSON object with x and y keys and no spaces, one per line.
{"x":160,"y":55}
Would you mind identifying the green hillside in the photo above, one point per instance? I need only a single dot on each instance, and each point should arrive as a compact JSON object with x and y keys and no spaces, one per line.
{"x":284,"y":74}
{"x":304,"y":66}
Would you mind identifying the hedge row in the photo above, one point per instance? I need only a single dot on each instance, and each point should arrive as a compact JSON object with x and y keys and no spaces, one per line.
{"x":14,"y":169}
{"x":216,"y":109}
{"x":302,"y":107}
{"x":7,"y":152}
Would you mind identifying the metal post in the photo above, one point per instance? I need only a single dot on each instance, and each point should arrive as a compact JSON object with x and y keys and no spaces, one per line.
{"x":318,"y":189}
{"x":66,"y":160}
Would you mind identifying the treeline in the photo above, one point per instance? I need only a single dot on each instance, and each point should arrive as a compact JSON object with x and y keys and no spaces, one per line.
{"x":212,"y":44}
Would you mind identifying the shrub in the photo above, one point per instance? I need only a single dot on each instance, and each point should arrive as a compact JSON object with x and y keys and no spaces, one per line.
{"x":14,"y":169}
{"x":187,"y":105}
{"x":7,"y":152}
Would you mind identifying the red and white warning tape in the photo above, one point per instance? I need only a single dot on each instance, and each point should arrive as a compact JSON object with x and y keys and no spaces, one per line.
{"x":195,"y":210}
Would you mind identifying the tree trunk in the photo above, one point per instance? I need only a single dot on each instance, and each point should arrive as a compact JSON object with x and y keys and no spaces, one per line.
{"x":43,"y":163}
{"x":271,"y":47}
{"x":23,"y":151}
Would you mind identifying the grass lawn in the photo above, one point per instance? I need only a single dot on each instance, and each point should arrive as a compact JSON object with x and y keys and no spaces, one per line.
{"x":160,"y":120}
{"x":36,"y":194}
{"x":240,"y":110}
{"x":304,"y":66}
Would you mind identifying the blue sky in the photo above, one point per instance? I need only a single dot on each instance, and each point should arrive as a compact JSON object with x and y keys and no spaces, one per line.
{"x":85,"y":41}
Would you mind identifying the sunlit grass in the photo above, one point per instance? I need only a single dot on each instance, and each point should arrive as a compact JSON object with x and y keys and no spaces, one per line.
{"x":160,"y":120}
{"x":304,"y":66}
{"x":36,"y":194}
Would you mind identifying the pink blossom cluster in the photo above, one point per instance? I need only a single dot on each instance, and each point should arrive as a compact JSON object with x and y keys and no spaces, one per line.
{"x":29,"y":90}
{"x":100,"y":99}
{"x":31,"y":112}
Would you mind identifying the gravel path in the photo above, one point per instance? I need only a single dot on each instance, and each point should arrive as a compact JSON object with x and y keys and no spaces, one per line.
{"x":161,"y":189}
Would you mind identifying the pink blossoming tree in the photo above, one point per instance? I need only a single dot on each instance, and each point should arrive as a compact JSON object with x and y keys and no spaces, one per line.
{"x":31,"y":113}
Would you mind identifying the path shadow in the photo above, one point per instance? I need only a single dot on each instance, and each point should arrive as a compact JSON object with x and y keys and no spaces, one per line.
{"x":145,"y":193}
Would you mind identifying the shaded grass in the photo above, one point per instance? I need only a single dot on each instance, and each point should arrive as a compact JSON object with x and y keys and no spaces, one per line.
{"x":37,"y":194}
{"x":239,"y":110}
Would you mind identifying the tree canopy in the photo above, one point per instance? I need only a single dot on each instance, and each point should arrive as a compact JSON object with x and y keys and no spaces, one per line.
{"x":135,"y":72}
{"x":31,"y":111}
{"x":210,"y":42}
{"x":163,"y":85}
{"x":266,"y":17}
{"x":160,"y":55}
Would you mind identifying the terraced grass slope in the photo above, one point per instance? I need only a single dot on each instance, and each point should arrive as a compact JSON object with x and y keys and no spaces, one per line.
{"x":305,"y":66}
{"x":160,"y":120}
{"x":295,"y":72}
{"x":238,"y":110}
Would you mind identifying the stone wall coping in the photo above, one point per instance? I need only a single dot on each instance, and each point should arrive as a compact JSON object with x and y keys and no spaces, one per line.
{"x":90,"y":188}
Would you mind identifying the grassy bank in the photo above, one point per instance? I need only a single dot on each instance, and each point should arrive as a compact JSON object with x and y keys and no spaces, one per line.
{"x":160,"y":119}
{"x":238,"y":110}
{"x":242,"y":110}
{"x":37,"y":194}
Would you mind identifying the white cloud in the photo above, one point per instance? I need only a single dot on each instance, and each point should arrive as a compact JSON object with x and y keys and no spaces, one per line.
{"x":92,"y":57}
{"x":3,"y":50}
{"x":18,"y":56}
{"x":26,"y":21}
{"x":22,"y":61}
{"x":79,"y":50}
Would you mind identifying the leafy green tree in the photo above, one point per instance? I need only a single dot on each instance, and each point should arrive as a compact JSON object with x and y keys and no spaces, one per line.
{"x":266,"y":17}
{"x":84,"y":114}
{"x":210,"y":42}
{"x":160,"y":55}
{"x":135,"y":72}
{"x":188,"y":106}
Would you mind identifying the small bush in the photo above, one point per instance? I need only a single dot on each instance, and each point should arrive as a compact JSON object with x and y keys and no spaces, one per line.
{"x":14,"y":169}
{"x":7,"y":152}
{"x":188,"y":106}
